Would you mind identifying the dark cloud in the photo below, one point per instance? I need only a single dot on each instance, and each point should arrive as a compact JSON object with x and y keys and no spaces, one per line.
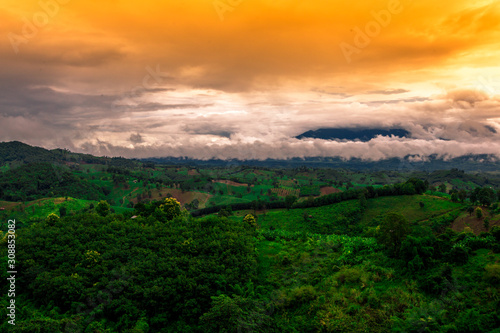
{"x":491,"y":129}
{"x":53,"y":107}
{"x":209,"y":128}
{"x":136,"y":138}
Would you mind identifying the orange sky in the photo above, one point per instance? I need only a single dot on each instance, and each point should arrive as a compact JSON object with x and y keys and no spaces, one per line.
{"x":85,"y":69}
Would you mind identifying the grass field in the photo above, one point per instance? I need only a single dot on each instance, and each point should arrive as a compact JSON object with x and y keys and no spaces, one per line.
{"x":39,"y":209}
{"x":409,"y":207}
{"x":346,"y":215}
{"x":184,"y":197}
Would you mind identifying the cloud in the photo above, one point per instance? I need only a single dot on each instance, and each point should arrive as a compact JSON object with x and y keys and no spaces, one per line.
{"x":136,"y":138}
{"x":467,"y":98}
{"x":376,"y":149}
{"x":209,"y":128}
{"x":333,"y":93}
{"x":388,"y":91}
{"x":242,"y":87}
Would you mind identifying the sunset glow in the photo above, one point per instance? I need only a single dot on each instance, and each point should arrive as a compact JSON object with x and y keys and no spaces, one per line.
{"x":240,"y":79}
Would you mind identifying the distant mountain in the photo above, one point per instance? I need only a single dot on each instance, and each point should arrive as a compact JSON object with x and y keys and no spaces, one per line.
{"x":469,"y":163}
{"x":18,"y":153}
{"x":352,"y":134}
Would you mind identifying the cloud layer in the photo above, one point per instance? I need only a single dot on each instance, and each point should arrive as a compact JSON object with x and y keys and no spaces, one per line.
{"x":173,"y":79}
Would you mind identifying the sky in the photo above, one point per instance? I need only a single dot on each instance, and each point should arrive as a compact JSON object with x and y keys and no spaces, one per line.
{"x":241,"y":78}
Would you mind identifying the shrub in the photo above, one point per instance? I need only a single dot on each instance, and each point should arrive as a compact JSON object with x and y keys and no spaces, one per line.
{"x":250,"y":220}
{"x":102,"y":208}
{"x":492,"y":274}
{"x":479,"y":212}
{"x":459,"y":254}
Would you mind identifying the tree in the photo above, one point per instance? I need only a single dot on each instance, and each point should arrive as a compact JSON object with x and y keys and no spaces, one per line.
{"x":486,"y":223}
{"x":474,"y":195}
{"x":102,"y":208}
{"x":470,"y":210}
{"x":419,"y":185}
{"x":462,"y":195}
{"x":486,"y":196}
{"x":289,"y":201}
{"x":170,"y":209}
{"x":224,"y":213}
{"x":495,"y":232}
{"x":442,"y":188}
{"x":362,"y":201}
{"x":422,"y":205}
{"x":193,"y":204}
{"x":479,"y":212}
{"x":250,"y":219}
{"x":52,"y":219}
{"x":62,"y":211}
{"x":392,"y":231}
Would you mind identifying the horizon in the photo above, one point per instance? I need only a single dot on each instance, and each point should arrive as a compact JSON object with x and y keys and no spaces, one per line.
{"x":241,"y":79}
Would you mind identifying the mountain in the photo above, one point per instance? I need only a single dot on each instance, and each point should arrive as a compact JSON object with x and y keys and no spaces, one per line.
{"x":18,"y":153}
{"x":352,"y":134}
{"x":467,"y":163}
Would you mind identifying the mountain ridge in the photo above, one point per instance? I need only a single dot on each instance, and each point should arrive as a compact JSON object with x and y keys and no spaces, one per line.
{"x":352,"y":134}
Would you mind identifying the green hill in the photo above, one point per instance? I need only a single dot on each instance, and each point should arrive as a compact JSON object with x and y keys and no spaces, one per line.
{"x":39,"y":180}
{"x":16,"y":153}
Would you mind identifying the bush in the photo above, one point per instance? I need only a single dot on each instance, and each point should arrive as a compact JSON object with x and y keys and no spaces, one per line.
{"x":170,"y":209}
{"x":459,"y":254}
{"x":492,"y":274}
{"x":301,"y":295}
{"x":392,"y":231}
{"x":250,"y":220}
{"x":479,"y":212}
{"x":474,"y":243}
{"x":102,"y":208}
{"x":495,"y":232}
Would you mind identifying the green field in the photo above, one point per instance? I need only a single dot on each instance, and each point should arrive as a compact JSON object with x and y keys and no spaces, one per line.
{"x":179,"y":248}
{"x":409,"y":206}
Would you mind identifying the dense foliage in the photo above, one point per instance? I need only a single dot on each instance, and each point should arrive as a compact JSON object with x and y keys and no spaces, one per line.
{"x":35,"y":181}
{"x":279,"y":250}
{"x":93,"y":271}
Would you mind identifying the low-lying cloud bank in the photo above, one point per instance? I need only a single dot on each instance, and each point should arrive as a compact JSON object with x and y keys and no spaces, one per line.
{"x":377,"y":149}
{"x":212,"y":124}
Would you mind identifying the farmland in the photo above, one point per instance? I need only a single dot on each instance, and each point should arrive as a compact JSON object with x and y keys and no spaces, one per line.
{"x":294,"y":250}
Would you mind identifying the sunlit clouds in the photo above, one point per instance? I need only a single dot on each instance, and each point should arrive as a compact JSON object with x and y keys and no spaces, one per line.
{"x":141,"y":79}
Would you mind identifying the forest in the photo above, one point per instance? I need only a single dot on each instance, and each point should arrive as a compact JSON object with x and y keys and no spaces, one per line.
{"x":114,"y":245}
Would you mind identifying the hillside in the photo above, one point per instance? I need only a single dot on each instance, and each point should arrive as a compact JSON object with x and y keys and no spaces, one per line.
{"x":140,"y":247}
{"x":15,"y":153}
{"x":22,"y":153}
{"x":39,"y":180}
